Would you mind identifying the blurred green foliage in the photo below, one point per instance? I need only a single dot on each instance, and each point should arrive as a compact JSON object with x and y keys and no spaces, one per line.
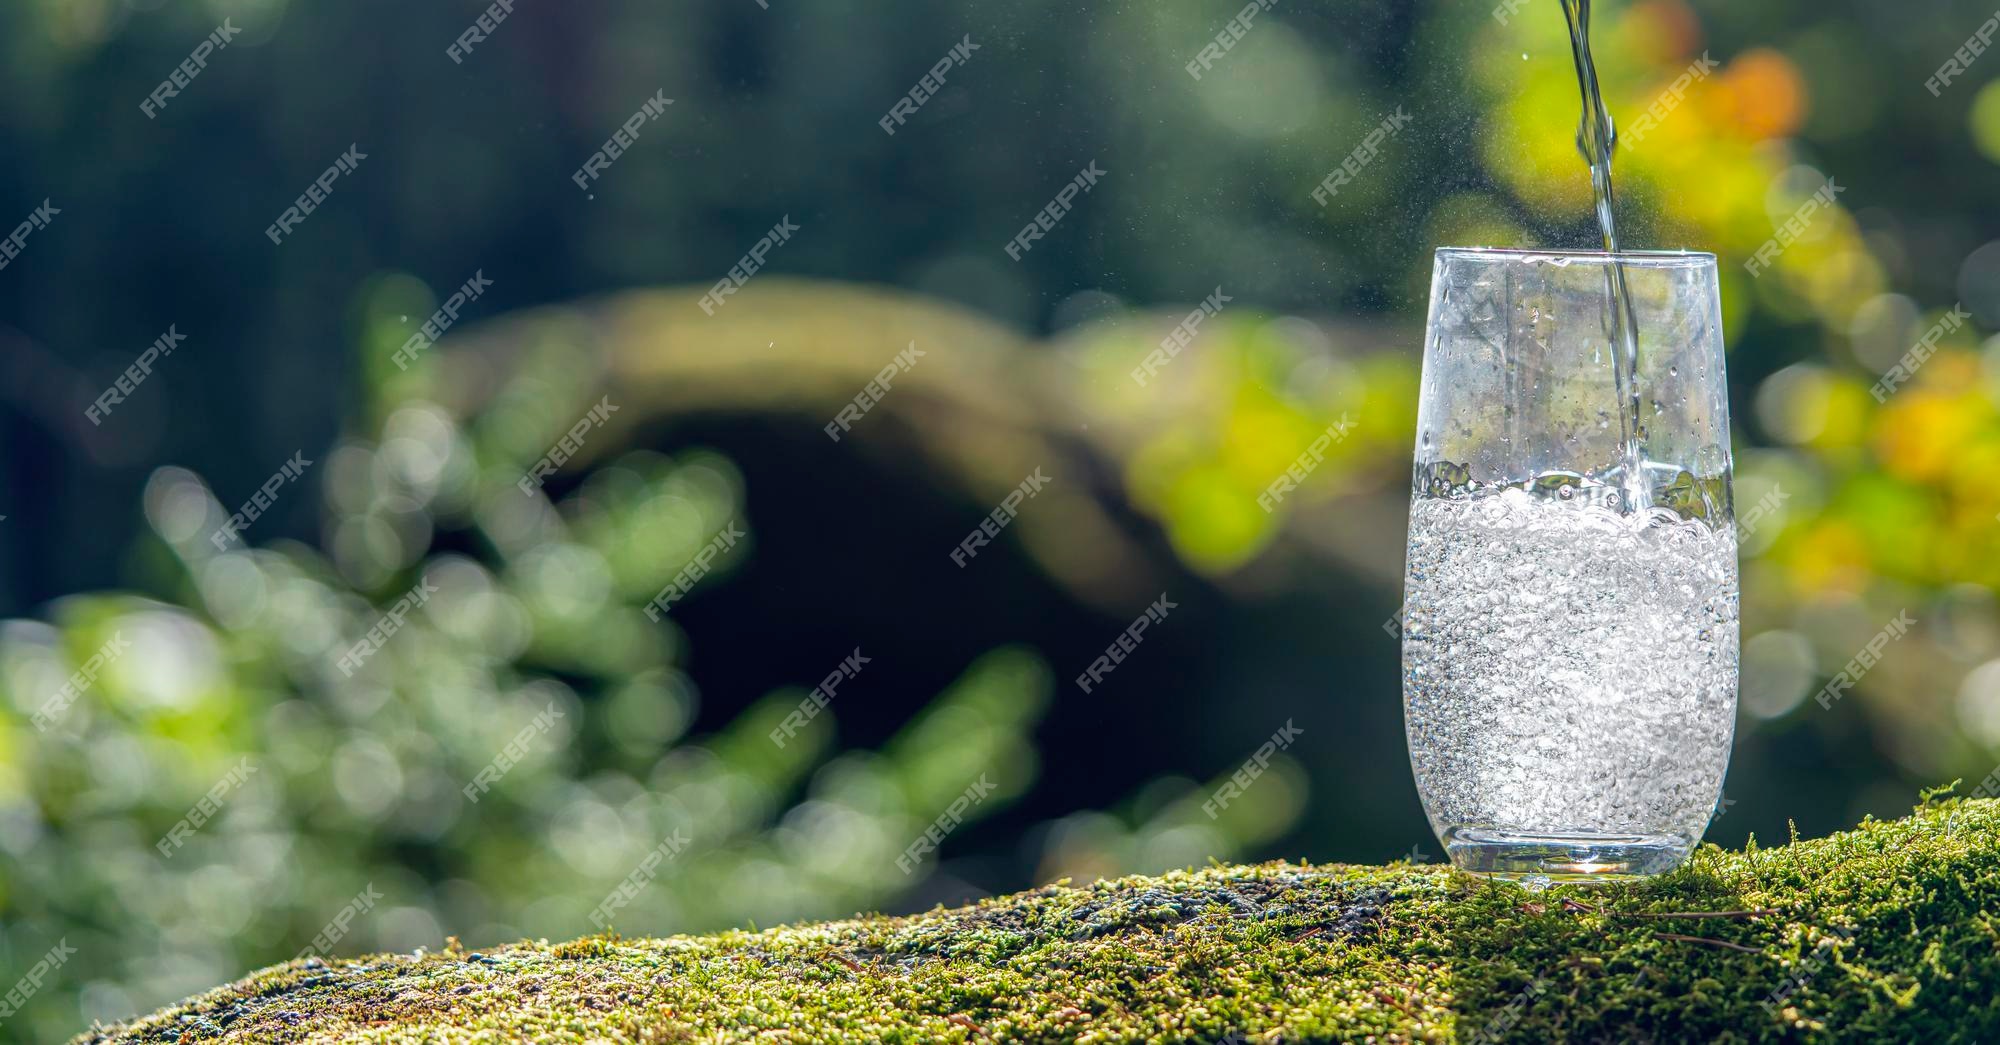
{"x":1876,"y":507}
{"x":359,"y":779}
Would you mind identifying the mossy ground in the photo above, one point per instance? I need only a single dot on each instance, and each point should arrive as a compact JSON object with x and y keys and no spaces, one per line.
{"x":1887,"y":932}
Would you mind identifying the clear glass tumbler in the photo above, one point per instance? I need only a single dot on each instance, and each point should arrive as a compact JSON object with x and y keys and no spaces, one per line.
{"x":1570,"y":608}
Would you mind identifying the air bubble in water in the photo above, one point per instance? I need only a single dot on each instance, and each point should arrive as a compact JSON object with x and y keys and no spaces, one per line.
{"x":1568,"y":667}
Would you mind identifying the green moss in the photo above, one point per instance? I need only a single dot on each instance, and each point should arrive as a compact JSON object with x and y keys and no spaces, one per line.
{"x":1887,"y":932}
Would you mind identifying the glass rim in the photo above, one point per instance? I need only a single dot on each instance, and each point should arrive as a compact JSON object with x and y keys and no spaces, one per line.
{"x":1656,"y":258}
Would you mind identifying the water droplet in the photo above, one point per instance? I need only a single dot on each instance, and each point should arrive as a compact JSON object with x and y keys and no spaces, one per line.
{"x":1535,"y":883}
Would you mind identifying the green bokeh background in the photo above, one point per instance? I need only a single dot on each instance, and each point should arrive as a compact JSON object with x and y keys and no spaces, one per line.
{"x":1878,"y":507}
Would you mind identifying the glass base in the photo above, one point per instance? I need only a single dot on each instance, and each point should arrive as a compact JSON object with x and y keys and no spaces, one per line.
{"x":1544,"y":859}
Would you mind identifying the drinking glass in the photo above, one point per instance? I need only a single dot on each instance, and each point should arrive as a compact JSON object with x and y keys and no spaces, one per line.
{"x":1570,"y":629}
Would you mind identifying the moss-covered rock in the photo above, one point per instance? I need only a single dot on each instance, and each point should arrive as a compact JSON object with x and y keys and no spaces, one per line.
{"x":1887,"y":932}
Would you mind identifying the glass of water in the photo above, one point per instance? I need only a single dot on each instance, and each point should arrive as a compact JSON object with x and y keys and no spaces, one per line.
{"x":1570,"y":628}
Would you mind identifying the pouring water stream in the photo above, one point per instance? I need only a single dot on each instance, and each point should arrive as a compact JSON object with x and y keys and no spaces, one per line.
{"x":1596,"y":139}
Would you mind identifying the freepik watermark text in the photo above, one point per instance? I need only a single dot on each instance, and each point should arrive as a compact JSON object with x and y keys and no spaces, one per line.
{"x":129,"y":381}
{"x":441,"y":320}
{"x":999,"y":518}
{"x":17,"y":241}
{"x":1056,"y":209}
{"x":567,"y":446}
{"x":1793,"y":227}
{"x":642,"y":876}
{"x":112,"y":649}
{"x":482,"y":27}
{"x":944,"y":825}
{"x":387,"y":625}
{"x":748,"y":265}
{"x":259,"y":502}
{"x":1126,"y":642}
{"x":1179,"y":338}
{"x":694,"y":571}
{"x":1225,"y":41}
{"x":873,"y":392}
{"x":315,"y":194}
{"x":512,"y":754}
{"x":205,"y":809}
{"x":1303,"y":465}
{"x":1252,"y":768}
{"x":927,"y":86}
{"x":184,"y":74}
{"x":620,"y":140}
{"x":1363,"y":155}
{"x":816,"y":701}
{"x":1962,"y":59}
